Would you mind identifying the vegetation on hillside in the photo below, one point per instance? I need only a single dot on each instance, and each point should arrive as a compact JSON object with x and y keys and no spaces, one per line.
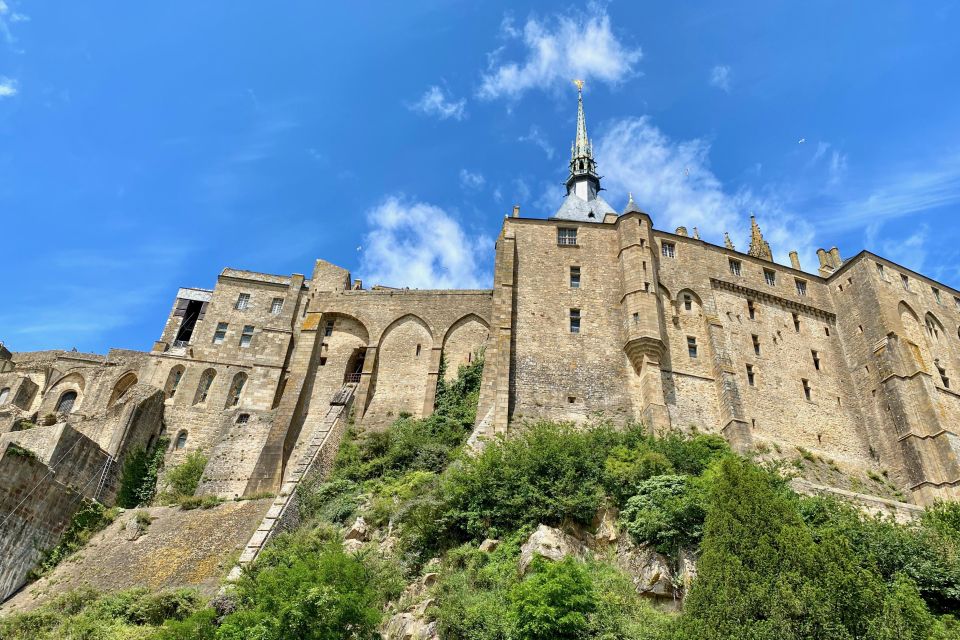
{"x":771,"y":564}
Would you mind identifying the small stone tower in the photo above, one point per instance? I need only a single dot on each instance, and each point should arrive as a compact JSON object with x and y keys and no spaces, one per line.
{"x":759,"y":248}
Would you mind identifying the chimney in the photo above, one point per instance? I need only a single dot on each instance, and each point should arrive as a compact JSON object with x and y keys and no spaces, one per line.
{"x":357,"y":285}
{"x":516,"y":211}
{"x":795,"y":260}
{"x":682,"y":231}
{"x":835,"y":254}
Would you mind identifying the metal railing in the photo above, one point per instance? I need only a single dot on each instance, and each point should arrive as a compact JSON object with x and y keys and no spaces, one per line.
{"x":352,"y":377}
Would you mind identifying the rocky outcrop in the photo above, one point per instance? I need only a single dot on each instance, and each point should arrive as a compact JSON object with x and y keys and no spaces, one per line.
{"x":412,"y":623}
{"x":549,"y":543}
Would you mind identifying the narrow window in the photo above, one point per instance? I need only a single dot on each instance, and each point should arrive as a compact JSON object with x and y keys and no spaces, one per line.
{"x":66,"y":402}
{"x":173,"y":381}
{"x":751,"y":378}
{"x":328,"y":328}
{"x":936,"y":294}
{"x":571,"y":399}
{"x":956,"y":301}
{"x":687,"y":302}
{"x":756,"y":344}
{"x":418,"y":351}
{"x":243,"y":301}
{"x":636,"y":317}
{"x":692,"y":346}
{"x":246,"y":336}
{"x":826,"y":331}
{"x":668,"y":249}
{"x":905,"y":281}
{"x":574,"y":320}
{"x":801,"y":288}
{"x":323,"y":361}
{"x":943,"y":376}
{"x":566,"y":236}
{"x":770,"y":276}
{"x":859,"y":328}
{"x":735,"y":267}
{"x":4,"y":393}
{"x":236,"y":388}
{"x":880,"y":271}
{"x":806,"y":389}
{"x":203,"y":389}
{"x":796,"y":322}
{"x":243,"y":418}
{"x":220,"y":333}
{"x":181,"y":440}
{"x":752,"y":310}
{"x":574,"y":277}
{"x":816,"y":360}
{"x":276,"y":306}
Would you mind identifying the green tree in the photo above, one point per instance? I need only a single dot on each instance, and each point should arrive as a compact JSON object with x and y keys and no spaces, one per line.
{"x":554,"y":603}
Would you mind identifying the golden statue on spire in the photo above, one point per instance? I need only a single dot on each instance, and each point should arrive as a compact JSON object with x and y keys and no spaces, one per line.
{"x":579,"y":84}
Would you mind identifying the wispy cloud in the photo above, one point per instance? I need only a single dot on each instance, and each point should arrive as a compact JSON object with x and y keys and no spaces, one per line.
{"x":471,"y":180}
{"x":556,"y":50}
{"x":8,"y":87}
{"x":535,"y":136}
{"x":720,"y":77}
{"x":419,"y":245}
{"x":435,"y":102}
{"x":910,"y":251}
{"x":9,"y":16}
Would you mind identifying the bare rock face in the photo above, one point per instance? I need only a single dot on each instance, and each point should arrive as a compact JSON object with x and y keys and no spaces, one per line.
{"x":352,"y":545}
{"x":489,"y":545}
{"x":605,"y":525}
{"x":412,"y":624}
{"x":650,"y":570}
{"x":549,"y":543}
{"x":358,"y":530}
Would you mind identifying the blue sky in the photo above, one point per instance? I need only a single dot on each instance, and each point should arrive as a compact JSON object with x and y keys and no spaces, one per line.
{"x":145,"y":147}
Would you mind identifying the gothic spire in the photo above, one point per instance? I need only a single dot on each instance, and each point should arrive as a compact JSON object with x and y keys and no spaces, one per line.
{"x":759,"y":248}
{"x":583,"y":180}
{"x":727,"y":242}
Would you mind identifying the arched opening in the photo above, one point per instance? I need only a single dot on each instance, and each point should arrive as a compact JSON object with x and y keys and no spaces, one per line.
{"x":123,"y":385}
{"x":203,"y":389}
{"x":173,"y":380}
{"x":4,"y":393}
{"x":181,"y":440}
{"x":465,"y":338}
{"x":401,"y":371}
{"x":66,"y":402}
{"x":933,"y":326}
{"x":236,"y":389}
{"x":355,"y":365}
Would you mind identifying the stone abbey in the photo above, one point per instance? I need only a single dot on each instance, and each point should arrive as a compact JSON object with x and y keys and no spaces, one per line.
{"x":591,"y":313}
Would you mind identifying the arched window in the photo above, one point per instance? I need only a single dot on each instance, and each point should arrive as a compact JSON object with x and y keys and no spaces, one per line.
{"x":181,"y":441}
{"x":173,"y":380}
{"x":66,"y":401}
{"x":123,"y":385}
{"x":236,"y":388}
{"x":203,"y":389}
{"x":3,"y":394}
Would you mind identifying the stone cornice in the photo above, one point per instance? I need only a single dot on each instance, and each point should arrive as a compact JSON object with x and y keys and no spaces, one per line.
{"x":769,"y":297}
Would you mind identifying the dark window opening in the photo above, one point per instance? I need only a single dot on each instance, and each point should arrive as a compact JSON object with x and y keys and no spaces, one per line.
{"x":574,"y":277}
{"x":806,"y":389}
{"x":243,"y":418}
{"x":796,"y":322}
{"x":816,"y":360}
{"x":756,"y":344}
{"x":181,"y":440}
{"x":328,"y":328}
{"x":687,"y":302}
{"x":418,"y":351}
{"x":574,"y":320}
{"x":191,"y":312}
{"x":943,"y":377}
{"x":751,"y":310}
{"x":66,"y":402}
{"x":692,"y":346}
{"x":751,"y":378}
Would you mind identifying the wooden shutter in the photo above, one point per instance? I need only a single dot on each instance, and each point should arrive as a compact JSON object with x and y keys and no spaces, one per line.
{"x":181,"y":308}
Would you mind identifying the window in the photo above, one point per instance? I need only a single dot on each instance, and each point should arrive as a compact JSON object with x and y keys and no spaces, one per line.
{"x":173,"y":380}
{"x":668,"y":249}
{"x":574,"y":320}
{"x":203,"y":389}
{"x":956,"y":301}
{"x":880,"y":271}
{"x":801,"y":287}
{"x":571,"y":399}
{"x":566,"y":236}
{"x":826,"y":331}
{"x":932,"y":328}
{"x":756,"y":344}
{"x":735,"y":267}
{"x":243,"y":418}
{"x":246,"y":336}
{"x":276,"y":306}
{"x":181,"y":440}
{"x":752,"y":310}
{"x":636,"y":317}
{"x":816,"y":360}
{"x":770,"y":276}
{"x":905,"y":281}
{"x":236,"y":388}
{"x":936,"y":294}
{"x":943,"y":376}
{"x":418,"y":351}
{"x":328,"y":328}
{"x":796,"y":322}
{"x":220,"y":333}
{"x":323,"y":361}
{"x":243,"y":301}
{"x":687,"y":302}
{"x":751,"y":377}
{"x":806,"y":389}
{"x":692,"y":346}
{"x":574,"y":277}
{"x":66,"y":402}
{"x":3,"y":394}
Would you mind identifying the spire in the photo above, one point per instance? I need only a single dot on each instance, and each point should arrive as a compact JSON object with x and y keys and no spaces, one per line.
{"x":759,"y":248}
{"x":583,"y":180}
{"x":727,"y":242}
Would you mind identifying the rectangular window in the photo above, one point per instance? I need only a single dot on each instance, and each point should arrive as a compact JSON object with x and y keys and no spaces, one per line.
{"x":574,"y":320}
{"x":574,"y":277}
{"x":566,"y":236}
{"x":806,"y":389}
{"x":816,"y":360}
{"x":735,"y":267}
{"x":770,"y":276}
{"x":328,"y":329}
{"x":692,"y":346}
{"x":687,"y":302}
{"x":752,"y":310}
{"x":220,"y":333}
{"x":243,"y":301}
{"x":796,"y":322}
{"x":276,"y":306}
{"x":880,"y":271}
{"x":668,"y":249}
{"x":905,"y":281}
{"x":936,"y":294}
{"x":826,"y":331}
{"x":801,"y":288}
{"x":756,"y":344}
{"x":751,"y":377}
{"x":246,"y":336}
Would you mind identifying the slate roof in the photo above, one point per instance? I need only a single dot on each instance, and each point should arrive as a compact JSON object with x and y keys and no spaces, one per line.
{"x":574,"y":208}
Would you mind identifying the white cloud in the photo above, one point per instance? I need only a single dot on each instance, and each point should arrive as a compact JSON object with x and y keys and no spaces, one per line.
{"x":471,"y":180}
{"x":536,"y":137}
{"x":419,"y":245}
{"x":8,"y":87}
{"x":720,"y":77}
{"x":673,"y":182}
{"x":838,"y":167}
{"x":434,"y":102}
{"x":557,"y":50}
{"x":911,"y":251}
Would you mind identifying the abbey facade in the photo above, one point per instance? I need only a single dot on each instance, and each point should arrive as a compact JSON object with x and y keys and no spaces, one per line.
{"x":592,"y":313}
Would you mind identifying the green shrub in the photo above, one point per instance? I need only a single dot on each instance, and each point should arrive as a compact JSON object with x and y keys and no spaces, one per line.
{"x":626,"y":467}
{"x":90,"y":518}
{"x":138,"y":479}
{"x":333,"y":501}
{"x":554,"y":602}
{"x":667,"y":512}
{"x":188,"y":503}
